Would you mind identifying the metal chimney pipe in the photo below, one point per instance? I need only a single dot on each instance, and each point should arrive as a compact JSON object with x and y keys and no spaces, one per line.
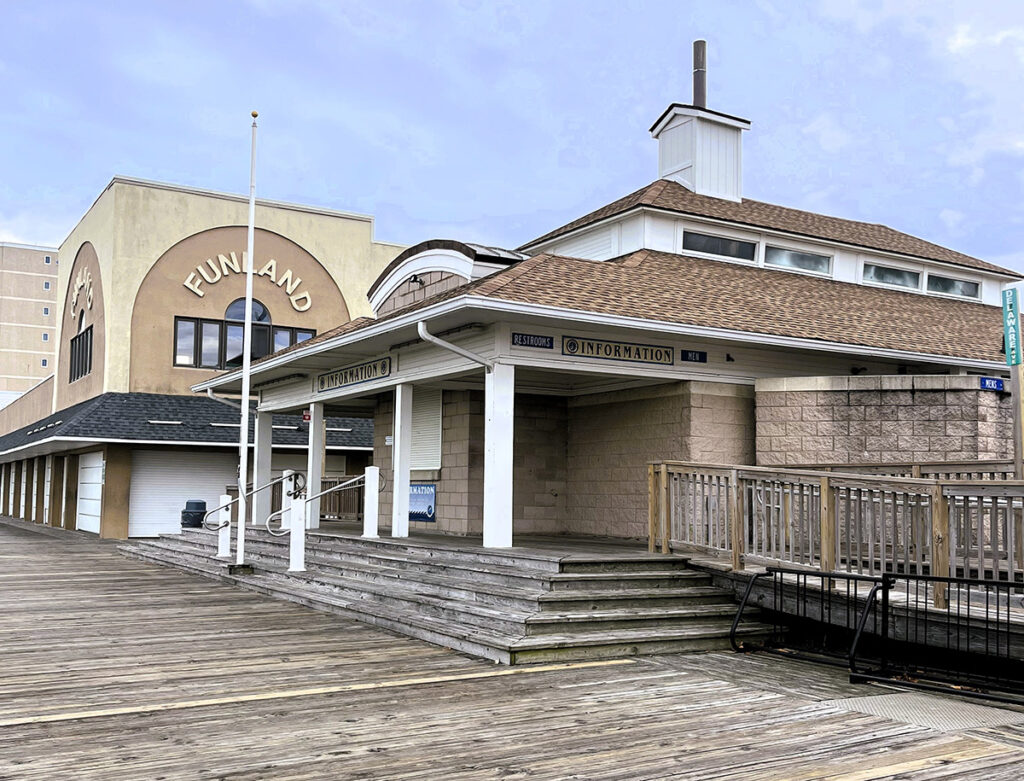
{"x":700,"y":74}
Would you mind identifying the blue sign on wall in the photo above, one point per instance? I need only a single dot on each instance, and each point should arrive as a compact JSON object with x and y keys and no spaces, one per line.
{"x":992,"y":383}
{"x":423,"y":502}
{"x":533,"y":340}
{"x":693,"y":356}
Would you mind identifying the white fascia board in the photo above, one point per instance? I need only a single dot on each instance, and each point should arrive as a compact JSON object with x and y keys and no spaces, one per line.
{"x":442,"y":308}
{"x":680,"y":329}
{"x":503,"y":307}
{"x":768,"y":232}
{"x":87,"y":441}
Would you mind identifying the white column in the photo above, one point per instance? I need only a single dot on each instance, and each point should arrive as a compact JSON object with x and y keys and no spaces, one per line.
{"x":315,"y":463}
{"x":499,"y":402}
{"x":261,"y":467}
{"x":401,"y":461}
{"x":224,"y":532}
{"x":295,"y":506}
{"x":371,"y":501}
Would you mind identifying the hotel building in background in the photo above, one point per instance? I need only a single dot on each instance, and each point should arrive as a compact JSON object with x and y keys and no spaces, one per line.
{"x":28,"y":319}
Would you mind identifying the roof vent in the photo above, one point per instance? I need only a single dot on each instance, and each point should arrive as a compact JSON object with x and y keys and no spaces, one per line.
{"x":701,"y":149}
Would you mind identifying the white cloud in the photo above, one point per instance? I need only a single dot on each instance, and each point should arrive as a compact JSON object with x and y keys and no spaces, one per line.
{"x":829,"y":134}
{"x":952,"y":219}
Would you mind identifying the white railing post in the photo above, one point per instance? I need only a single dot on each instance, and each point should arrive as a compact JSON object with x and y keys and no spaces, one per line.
{"x":371,"y":501}
{"x":224,"y":532}
{"x":297,"y":509}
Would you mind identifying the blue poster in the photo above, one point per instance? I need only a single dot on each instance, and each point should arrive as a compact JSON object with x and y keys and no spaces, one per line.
{"x":422,"y":502}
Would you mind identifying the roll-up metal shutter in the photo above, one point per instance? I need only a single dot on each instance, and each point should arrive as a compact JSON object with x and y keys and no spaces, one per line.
{"x":163,"y":480}
{"x":426,"y":428}
{"x":90,"y":491}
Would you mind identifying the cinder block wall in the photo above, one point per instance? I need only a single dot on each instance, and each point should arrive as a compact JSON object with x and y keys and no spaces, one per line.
{"x":849,"y":420}
{"x":539,"y":464}
{"x":612,"y":437}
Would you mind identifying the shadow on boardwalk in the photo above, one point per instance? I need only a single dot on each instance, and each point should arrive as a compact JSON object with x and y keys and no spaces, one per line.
{"x":115,"y":669}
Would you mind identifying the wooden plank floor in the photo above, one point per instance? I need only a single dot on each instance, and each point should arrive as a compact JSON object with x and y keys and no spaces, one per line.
{"x":115,"y":669}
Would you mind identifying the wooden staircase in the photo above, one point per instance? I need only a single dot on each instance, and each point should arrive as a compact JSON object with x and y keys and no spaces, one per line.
{"x":524,"y":604}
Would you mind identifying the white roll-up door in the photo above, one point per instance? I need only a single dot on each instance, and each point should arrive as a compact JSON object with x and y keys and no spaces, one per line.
{"x":426,"y":428}
{"x":90,"y":491}
{"x":163,"y":480}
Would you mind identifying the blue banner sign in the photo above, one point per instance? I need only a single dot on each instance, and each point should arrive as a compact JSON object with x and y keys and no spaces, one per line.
{"x":693,"y":356}
{"x":1011,"y":325}
{"x":533,"y":340}
{"x":353,"y":375}
{"x":992,"y":383}
{"x":423,"y":502}
{"x":581,"y":347}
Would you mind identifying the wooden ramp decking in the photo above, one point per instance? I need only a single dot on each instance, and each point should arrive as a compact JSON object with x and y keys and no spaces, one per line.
{"x":118,"y":669}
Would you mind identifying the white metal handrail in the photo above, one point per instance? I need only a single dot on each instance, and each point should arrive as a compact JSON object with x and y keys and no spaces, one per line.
{"x":254,"y":491}
{"x":281,"y":531}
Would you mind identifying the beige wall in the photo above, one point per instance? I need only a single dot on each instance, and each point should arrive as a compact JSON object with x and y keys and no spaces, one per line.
{"x":28,"y":408}
{"x":82,"y":298}
{"x":899,"y":419}
{"x":133,"y":224}
{"x":23,"y":323}
{"x":163,"y":295}
{"x":580,"y":463}
{"x":433,"y":282}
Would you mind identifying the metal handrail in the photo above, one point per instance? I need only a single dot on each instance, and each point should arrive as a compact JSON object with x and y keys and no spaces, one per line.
{"x":281,"y":531}
{"x":253,"y":492}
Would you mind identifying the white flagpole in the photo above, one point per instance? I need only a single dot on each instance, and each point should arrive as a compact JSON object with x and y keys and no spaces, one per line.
{"x":243,"y":429}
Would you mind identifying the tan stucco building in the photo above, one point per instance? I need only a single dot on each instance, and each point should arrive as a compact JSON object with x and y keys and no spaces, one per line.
{"x":28,"y":292}
{"x":149,"y":300}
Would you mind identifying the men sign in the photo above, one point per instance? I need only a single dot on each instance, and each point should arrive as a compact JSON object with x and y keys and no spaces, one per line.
{"x":1011,"y":325}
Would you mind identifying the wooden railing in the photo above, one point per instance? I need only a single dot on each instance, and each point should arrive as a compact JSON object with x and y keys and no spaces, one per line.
{"x":934,"y":470}
{"x":837,"y":521}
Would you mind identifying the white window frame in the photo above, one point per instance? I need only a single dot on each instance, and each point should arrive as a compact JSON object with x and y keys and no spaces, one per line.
{"x":929,"y":274}
{"x":804,"y":251}
{"x":919,"y":270}
{"x":715,"y":232}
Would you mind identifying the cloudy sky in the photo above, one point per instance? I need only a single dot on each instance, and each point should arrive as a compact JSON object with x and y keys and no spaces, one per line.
{"x":495,"y":122}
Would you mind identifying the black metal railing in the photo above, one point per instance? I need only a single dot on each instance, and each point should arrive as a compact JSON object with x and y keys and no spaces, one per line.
{"x":887,"y":627}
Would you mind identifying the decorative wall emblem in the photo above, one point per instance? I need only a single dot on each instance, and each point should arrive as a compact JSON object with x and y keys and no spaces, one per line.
{"x":82,"y":282}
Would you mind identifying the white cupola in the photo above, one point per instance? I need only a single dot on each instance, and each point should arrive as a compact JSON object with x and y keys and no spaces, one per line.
{"x":701,"y":149}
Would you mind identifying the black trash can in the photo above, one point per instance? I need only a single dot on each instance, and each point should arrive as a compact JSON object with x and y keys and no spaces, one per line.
{"x":192,"y":515}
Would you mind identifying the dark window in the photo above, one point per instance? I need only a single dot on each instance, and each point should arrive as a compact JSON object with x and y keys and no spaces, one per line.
{"x":952,"y":287}
{"x":807,"y":261}
{"x":81,"y":354}
{"x":184,"y":342}
{"x":716,"y":245}
{"x":217,"y":344}
{"x":46,"y":260}
{"x":887,"y":275}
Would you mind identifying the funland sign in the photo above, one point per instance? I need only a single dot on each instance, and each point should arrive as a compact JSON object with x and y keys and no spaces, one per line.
{"x":214,"y":270}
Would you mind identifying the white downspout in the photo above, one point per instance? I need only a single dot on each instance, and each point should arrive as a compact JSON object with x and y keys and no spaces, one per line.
{"x":426,"y":336}
{"x":234,"y":405}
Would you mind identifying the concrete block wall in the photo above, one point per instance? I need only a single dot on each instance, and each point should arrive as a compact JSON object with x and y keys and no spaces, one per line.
{"x":881,"y":419}
{"x":539,"y":464}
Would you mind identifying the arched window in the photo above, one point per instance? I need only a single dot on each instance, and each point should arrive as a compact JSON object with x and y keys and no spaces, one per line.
{"x":236,"y":311}
{"x":81,"y":320}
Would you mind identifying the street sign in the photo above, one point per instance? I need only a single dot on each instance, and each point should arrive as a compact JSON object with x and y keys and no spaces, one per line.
{"x":1011,"y":326}
{"x":992,"y":384}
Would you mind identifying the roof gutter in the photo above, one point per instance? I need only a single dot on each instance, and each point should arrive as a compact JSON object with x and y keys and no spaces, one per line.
{"x":233,"y":405}
{"x":426,"y":336}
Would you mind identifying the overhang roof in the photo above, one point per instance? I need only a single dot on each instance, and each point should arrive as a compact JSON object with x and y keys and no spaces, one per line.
{"x":128,"y":416}
{"x":673,"y":197}
{"x":689,"y":294}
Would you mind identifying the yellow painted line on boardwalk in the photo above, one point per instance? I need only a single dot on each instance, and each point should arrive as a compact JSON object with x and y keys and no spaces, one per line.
{"x":290,"y":693}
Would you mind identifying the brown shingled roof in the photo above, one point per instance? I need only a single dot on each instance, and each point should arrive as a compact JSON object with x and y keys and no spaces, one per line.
{"x":713,"y":294}
{"x":671,"y":196}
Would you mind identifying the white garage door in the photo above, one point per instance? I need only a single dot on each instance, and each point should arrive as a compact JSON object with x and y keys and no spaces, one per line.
{"x":163,"y":480}
{"x":90,"y":491}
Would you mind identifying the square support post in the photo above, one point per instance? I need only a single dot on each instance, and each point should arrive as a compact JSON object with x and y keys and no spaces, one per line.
{"x":827,"y":519}
{"x":261,"y":467}
{"x":295,"y":509}
{"x":499,"y":415}
{"x":371,"y":502}
{"x":401,"y":461}
{"x":315,"y":463}
{"x":940,"y":546}
{"x":224,"y":532}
